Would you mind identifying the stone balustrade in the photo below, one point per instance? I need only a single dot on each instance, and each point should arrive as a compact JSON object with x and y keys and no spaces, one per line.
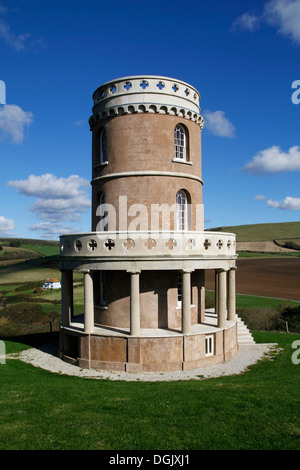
{"x":140,"y":244}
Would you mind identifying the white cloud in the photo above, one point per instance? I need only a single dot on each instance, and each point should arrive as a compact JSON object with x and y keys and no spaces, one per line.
{"x":18,"y":42}
{"x":274,"y":160}
{"x":58,"y":199}
{"x":218,"y":124}
{"x":246,"y":22}
{"x":49,"y":230}
{"x":7,"y":226}
{"x":289,"y":203}
{"x":283,"y":15}
{"x":13,"y":121}
{"x":49,"y":186}
{"x":60,"y":209}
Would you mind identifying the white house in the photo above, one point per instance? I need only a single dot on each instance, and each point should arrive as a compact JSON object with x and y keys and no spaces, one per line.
{"x":51,"y":283}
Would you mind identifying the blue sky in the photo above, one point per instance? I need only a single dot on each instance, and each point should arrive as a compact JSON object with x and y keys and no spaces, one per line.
{"x":243,"y":58}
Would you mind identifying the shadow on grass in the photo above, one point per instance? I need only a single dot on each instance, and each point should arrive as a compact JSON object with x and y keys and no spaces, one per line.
{"x":35,"y":340}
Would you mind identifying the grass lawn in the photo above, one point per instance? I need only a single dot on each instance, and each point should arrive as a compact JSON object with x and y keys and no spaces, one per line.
{"x":255,"y":410}
{"x":253,"y":301}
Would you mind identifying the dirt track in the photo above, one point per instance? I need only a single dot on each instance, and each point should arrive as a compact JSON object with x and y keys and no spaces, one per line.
{"x":271,"y":277}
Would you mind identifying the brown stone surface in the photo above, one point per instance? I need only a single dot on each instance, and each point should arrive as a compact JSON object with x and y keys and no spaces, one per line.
{"x":107,"y":349}
{"x":145,"y":142}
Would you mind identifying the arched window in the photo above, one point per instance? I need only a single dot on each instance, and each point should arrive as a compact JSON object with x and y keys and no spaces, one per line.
{"x":182,"y":211}
{"x":102,"y":145}
{"x":180,"y":139}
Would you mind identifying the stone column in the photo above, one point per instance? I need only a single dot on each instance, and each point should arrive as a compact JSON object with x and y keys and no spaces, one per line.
{"x":67,"y":297}
{"x":135,"y":327}
{"x":221,"y":298}
{"x":231,"y":294}
{"x":186,"y":303}
{"x":201,"y":296}
{"x":216,"y":292}
{"x":88,"y":303}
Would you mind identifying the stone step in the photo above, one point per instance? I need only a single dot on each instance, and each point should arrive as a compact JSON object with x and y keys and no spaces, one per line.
{"x":244,"y":335}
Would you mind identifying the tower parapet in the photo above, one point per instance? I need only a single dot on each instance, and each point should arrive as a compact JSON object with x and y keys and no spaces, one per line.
{"x":146,"y":93}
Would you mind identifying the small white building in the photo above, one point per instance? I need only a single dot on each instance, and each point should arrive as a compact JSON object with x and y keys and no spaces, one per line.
{"x":51,"y":283}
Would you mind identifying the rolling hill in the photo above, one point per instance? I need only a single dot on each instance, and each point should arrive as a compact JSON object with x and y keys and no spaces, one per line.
{"x":272,"y":237}
{"x":263,"y":232}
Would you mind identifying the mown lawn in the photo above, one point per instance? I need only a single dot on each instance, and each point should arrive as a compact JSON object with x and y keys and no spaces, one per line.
{"x":255,"y":410}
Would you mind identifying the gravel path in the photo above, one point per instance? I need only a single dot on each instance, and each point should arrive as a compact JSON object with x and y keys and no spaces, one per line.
{"x":46,"y":358}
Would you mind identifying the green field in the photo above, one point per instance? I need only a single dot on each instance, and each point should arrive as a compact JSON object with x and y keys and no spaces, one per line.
{"x":257,"y":410}
{"x":263,"y":232}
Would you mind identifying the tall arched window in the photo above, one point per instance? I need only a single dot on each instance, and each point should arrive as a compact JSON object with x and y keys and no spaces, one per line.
{"x":102,"y":145}
{"x":182,"y":210}
{"x":180,"y":139}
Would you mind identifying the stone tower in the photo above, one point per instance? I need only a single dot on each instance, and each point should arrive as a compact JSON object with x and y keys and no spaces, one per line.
{"x":144,"y":262}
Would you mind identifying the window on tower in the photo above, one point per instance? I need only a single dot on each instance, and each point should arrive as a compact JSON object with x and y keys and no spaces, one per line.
{"x":182,"y":210}
{"x":102,"y":145}
{"x":180,"y":141}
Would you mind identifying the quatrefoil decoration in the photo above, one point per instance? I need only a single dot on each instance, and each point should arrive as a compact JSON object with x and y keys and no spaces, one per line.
{"x":109,"y":244}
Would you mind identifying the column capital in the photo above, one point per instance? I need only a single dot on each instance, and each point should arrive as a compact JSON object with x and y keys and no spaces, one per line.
{"x":187,"y":270}
{"x":133,"y":271}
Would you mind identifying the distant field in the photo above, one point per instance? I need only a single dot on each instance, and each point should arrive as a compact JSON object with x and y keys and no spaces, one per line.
{"x":29,"y":241}
{"x":270,"y":277}
{"x":263,"y":232}
{"x":45,"y":250}
{"x":11,"y":253}
{"x":21,"y":272}
{"x":18,"y":255}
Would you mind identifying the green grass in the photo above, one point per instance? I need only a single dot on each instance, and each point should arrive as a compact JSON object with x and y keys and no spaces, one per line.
{"x":254,"y":254}
{"x":42,"y":249}
{"x":257,"y":410}
{"x":253,"y":301}
{"x":22,"y":272}
{"x":264,"y":232}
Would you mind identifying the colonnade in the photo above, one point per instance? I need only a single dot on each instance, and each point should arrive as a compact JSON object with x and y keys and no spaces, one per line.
{"x":224,"y":299}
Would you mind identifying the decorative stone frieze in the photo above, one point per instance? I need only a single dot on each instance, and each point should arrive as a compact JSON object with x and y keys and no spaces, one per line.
{"x":139,"y":244}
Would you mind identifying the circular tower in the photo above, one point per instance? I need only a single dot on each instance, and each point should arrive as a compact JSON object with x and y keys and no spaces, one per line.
{"x":144,"y":262}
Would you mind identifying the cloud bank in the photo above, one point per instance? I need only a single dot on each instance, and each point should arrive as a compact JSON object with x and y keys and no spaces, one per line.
{"x":57,"y":200}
